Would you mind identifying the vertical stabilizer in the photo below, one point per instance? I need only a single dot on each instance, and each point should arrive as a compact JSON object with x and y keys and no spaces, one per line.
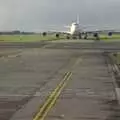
{"x":78,"y":19}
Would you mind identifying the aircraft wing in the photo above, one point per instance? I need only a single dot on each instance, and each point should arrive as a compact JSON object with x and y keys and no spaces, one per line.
{"x":100,"y":30}
{"x":57,"y":31}
{"x":56,"y":26}
{"x":67,"y":26}
{"x":94,"y":28}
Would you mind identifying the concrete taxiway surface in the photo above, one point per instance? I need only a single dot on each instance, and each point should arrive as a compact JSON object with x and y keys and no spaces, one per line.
{"x":29,"y":76}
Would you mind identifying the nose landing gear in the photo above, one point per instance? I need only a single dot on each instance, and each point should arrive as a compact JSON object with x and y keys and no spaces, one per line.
{"x":85,"y":36}
{"x":80,"y":36}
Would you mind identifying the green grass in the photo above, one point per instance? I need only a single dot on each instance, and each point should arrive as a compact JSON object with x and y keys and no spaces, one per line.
{"x":38,"y":37}
{"x":27,"y":38}
{"x":106,"y":37}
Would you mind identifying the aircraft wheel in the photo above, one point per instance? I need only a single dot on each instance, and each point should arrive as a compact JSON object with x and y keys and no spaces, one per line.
{"x":68,"y":37}
{"x":74,"y":37}
{"x":80,"y":37}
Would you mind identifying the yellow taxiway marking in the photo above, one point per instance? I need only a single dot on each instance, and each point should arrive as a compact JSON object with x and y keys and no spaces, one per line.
{"x":50,"y":102}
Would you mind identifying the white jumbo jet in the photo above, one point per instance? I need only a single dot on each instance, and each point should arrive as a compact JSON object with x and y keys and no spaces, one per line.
{"x":76,"y":30}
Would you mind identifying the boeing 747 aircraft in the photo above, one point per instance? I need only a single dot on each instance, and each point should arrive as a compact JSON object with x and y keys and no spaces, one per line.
{"x":76,"y":30}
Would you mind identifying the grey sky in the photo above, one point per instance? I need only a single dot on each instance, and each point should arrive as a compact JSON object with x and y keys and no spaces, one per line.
{"x":42,"y":14}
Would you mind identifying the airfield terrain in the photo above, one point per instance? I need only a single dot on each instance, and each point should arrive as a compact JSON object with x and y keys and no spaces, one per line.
{"x":38,"y":37}
{"x":58,"y":80}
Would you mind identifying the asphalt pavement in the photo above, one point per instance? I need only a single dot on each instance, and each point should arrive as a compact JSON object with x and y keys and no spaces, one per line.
{"x":29,"y":75}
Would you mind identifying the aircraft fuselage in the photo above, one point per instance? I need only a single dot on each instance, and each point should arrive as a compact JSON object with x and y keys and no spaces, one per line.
{"x":75,"y":30}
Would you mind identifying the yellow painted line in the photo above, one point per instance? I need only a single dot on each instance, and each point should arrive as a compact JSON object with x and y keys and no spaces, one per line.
{"x":50,"y":102}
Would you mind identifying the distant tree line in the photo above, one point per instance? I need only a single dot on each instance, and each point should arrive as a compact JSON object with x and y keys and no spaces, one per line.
{"x":16,"y":32}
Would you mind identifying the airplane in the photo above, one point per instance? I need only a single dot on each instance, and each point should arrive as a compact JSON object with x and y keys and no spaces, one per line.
{"x":75,"y":29}
{"x":78,"y":31}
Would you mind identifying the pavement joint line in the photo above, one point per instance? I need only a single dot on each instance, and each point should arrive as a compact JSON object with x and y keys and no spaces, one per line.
{"x":114,"y":80}
{"x":77,"y":62}
{"x":117,"y":89}
{"x":51,"y":100}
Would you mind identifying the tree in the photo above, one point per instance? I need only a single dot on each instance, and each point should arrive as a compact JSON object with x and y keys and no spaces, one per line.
{"x":16,"y":32}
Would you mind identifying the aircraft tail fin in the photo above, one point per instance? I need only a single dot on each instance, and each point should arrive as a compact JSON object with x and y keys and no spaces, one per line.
{"x":78,"y":19}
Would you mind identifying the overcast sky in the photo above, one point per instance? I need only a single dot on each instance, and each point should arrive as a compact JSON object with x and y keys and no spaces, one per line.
{"x":43,"y":14}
